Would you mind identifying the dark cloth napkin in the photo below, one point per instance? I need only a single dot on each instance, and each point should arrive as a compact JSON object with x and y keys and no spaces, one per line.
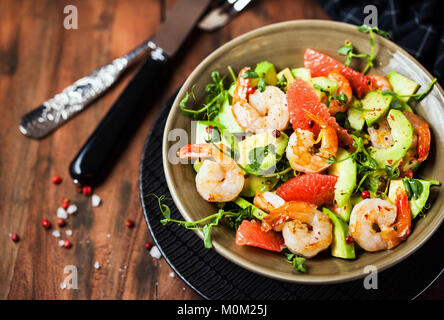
{"x":415,"y":25}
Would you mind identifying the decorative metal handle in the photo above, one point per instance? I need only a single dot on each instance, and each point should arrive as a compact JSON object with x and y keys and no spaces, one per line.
{"x":63,"y":106}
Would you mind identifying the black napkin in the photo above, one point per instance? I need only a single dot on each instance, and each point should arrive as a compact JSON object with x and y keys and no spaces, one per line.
{"x":415,"y":25}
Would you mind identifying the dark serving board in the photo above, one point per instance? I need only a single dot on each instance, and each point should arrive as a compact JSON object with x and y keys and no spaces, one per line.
{"x":214,"y":277}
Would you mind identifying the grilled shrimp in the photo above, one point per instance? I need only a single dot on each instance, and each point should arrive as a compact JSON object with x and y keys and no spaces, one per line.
{"x":380,"y":136}
{"x":343,"y":88}
{"x":380,"y":82}
{"x":421,"y":130}
{"x":218,"y":180}
{"x":377,"y":224}
{"x":308,"y":232}
{"x":268,"y":201}
{"x":302,"y":152}
{"x":259,"y":111}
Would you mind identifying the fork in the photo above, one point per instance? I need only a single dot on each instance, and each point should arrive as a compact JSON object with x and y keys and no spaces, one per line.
{"x":52,"y":113}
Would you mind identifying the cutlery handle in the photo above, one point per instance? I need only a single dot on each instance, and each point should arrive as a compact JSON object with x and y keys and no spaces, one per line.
{"x":88,"y":166}
{"x":73,"y":99}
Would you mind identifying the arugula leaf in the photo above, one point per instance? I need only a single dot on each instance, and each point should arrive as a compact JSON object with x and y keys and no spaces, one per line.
{"x":416,"y":97}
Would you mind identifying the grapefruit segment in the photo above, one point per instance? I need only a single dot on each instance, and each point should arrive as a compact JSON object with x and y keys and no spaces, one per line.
{"x":301,"y":97}
{"x":321,"y":65}
{"x":315,"y":188}
{"x":250,"y":233}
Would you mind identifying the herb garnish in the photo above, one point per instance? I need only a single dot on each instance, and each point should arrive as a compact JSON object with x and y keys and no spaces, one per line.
{"x":215,"y":99}
{"x":234,"y":219}
{"x":347,"y":49}
{"x":295,"y":260}
{"x":416,"y":97}
{"x":413,"y":187}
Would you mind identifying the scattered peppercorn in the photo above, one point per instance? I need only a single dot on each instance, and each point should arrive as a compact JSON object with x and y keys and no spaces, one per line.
{"x":365,"y":194}
{"x":148,"y":245}
{"x":56,"y":179}
{"x":276,"y":133}
{"x":129,"y":223}
{"x":349,"y":239}
{"x":311,"y":123}
{"x":87,"y":190}
{"x":15,"y":237}
{"x":209,"y":129}
{"x":67,"y":244}
{"x":46,"y":224}
{"x":250,"y":90}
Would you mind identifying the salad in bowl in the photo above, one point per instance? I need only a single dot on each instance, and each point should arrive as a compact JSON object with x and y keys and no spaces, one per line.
{"x":311,"y":158}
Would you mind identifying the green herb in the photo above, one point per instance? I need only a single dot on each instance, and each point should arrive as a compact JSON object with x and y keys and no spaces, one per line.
{"x":416,"y":97}
{"x":282,"y":83}
{"x":215,"y":99}
{"x":233,"y":75}
{"x":413,"y":187}
{"x":347,"y":49}
{"x":391,"y":174}
{"x":261,"y":85}
{"x":234,"y":218}
{"x":257,"y":155}
{"x":235,"y":221}
{"x":342,"y":98}
{"x":250,"y":74}
{"x":295,"y":260}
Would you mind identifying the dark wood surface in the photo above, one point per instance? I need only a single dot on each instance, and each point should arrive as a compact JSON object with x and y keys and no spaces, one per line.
{"x":39,"y":58}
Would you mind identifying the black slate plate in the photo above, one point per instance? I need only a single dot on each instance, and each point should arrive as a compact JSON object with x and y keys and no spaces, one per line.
{"x":214,"y":277}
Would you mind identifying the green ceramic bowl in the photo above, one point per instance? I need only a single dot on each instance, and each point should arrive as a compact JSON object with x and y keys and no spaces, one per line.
{"x":284,"y":44}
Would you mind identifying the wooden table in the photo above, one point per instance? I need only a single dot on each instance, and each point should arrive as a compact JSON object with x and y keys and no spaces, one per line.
{"x":38,"y":58}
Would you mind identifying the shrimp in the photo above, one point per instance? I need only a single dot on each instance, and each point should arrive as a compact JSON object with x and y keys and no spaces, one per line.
{"x":377,"y":224}
{"x":259,"y":111}
{"x":218,"y":180}
{"x":421,"y":130}
{"x":343,"y":88}
{"x":289,"y":210}
{"x":380,"y":82}
{"x":302,"y":152}
{"x":268,"y":201}
{"x":380,"y":136}
{"x":308,"y":232}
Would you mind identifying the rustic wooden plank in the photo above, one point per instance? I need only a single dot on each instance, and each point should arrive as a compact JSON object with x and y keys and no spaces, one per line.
{"x":39,"y":58}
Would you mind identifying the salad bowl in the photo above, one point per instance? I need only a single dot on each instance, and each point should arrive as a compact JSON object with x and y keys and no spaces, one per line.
{"x":284,"y":44}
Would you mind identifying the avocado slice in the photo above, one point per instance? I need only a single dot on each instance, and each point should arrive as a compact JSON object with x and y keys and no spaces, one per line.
{"x":402,"y":85}
{"x":346,"y":170}
{"x":267,"y":71}
{"x":301,"y":73}
{"x":225,"y":119}
{"x":339,"y":247}
{"x":416,"y":205}
{"x":325,"y":83}
{"x":402,"y":133}
{"x":356,"y":115}
{"x":255,"y":211}
{"x":378,"y":104}
{"x":254,"y":183}
{"x":262,"y":150}
{"x":286,"y":73}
